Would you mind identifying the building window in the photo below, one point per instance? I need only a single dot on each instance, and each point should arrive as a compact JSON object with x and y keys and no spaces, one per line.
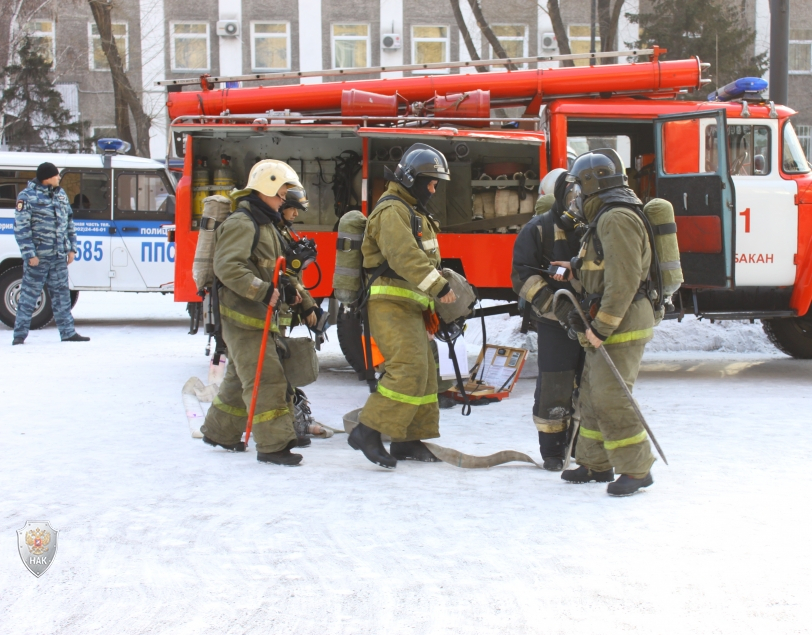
{"x":270,"y":46}
{"x":513,"y":38}
{"x":430,"y":46}
{"x":41,"y":33}
{"x":190,"y":46}
{"x":580,"y":41}
{"x":805,"y":137}
{"x":350,"y":45}
{"x":98,"y":60}
{"x":800,"y":50}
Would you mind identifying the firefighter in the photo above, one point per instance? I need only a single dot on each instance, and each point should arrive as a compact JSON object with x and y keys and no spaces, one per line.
{"x":546,"y":240}
{"x":245,"y":253}
{"x":401,"y":257}
{"x":614,"y":267}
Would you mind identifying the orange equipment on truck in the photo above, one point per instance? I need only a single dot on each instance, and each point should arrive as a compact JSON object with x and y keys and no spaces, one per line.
{"x":734,"y":170}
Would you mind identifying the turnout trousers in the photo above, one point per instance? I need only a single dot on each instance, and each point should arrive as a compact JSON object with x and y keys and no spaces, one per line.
{"x":560,"y":361}
{"x":611,"y":435}
{"x":53,"y":272}
{"x":405,"y":404}
{"x":225,"y":422}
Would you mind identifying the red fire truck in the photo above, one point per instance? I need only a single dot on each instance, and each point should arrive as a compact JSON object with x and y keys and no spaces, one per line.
{"x":734,"y":170}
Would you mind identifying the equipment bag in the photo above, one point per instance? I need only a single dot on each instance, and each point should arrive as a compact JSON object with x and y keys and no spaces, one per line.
{"x":463,"y":306}
{"x":215,"y":210}
{"x":299,"y":360}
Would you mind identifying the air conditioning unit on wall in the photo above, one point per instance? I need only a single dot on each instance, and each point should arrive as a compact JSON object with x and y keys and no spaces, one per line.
{"x":390,"y":41}
{"x":548,"y":42}
{"x":228,"y":28}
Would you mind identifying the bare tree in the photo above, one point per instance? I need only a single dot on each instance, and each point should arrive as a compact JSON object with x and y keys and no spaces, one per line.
{"x":554,"y":11}
{"x":483,"y":25}
{"x":125,"y":97}
{"x":466,"y":34}
{"x":608,"y":20}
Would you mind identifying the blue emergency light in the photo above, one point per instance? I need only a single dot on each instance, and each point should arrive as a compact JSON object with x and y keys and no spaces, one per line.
{"x":113,"y":146}
{"x":737,"y":89}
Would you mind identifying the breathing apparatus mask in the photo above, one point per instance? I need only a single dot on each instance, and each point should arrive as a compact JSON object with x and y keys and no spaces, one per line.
{"x":573,"y":214}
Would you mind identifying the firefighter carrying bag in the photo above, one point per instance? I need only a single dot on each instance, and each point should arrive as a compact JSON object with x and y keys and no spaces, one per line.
{"x":463,"y":306}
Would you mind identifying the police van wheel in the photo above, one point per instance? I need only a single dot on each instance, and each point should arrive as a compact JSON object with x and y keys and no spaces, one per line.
{"x":10,"y":285}
{"x":349,"y":339}
{"x":74,"y":298}
{"x":792,"y":336}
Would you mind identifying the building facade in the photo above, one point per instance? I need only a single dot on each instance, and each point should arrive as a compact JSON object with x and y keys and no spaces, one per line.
{"x":166,"y":39}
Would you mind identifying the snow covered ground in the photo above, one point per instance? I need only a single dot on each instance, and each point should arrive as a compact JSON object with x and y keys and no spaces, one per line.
{"x":161,"y":534}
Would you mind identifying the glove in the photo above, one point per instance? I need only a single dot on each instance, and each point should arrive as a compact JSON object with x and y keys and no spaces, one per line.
{"x":562,"y":311}
{"x":542,"y":301}
{"x":575,"y":322}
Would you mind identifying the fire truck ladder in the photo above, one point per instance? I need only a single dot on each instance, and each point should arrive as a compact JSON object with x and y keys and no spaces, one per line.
{"x":370,"y":70}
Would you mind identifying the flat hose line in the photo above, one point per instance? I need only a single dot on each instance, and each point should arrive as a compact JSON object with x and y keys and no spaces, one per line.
{"x":455,"y":457}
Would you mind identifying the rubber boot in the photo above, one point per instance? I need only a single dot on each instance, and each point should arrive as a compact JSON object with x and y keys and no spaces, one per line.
{"x":585,"y":475}
{"x":552,"y":446}
{"x":413,"y":450}
{"x":369,"y":442}
{"x":281,"y":457}
{"x":626,"y":485}
{"x":231,"y":447}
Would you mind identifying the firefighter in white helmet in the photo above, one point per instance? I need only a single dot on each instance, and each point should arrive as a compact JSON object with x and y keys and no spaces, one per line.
{"x":245,"y":253}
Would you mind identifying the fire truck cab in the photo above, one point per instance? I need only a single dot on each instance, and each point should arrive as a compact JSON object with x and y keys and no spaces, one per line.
{"x":734,"y":171}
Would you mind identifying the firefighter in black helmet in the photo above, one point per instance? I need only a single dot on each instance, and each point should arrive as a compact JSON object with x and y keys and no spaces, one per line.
{"x":613,"y":266}
{"x":402,"y":258}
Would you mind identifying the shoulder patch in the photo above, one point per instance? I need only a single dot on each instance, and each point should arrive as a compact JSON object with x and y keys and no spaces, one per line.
{"x":20,"y":205}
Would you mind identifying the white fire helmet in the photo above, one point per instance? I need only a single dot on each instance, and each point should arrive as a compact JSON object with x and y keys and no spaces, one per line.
{"x":269,"y":175}
{"x":548,"y":182}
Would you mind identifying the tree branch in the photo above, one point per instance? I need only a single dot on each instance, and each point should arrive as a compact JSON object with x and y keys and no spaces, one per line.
{"x":554,"y":11}
{"x":483,"y":25}
{"x":466,"y":35}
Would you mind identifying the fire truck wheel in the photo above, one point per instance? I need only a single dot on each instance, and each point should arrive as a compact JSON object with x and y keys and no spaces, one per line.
{"x":792,"y":336}
{"x":349,"y":339}
{"x":10,"y":283}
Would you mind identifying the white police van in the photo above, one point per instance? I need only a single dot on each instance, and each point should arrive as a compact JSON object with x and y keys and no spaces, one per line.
{"x":121,"y":207}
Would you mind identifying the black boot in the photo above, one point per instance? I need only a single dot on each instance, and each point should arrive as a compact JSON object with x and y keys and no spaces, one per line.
{"x":281,"y":457}
{"x":585,"y":475}
{"x":445,"y":402}
{"x":553,"y":448}
{"x":626,"y":485}
{"x":17,"y":341}
{"x":76,"y":338}
{"x":231,"y":447}
{"x":368,"y":441}
{"x":414,"y":450}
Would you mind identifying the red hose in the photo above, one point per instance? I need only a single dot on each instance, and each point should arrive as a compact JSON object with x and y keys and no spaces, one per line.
{"x":280,"y":266}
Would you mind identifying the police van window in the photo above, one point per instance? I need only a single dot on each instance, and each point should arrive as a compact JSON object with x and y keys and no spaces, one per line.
{"x":88,"y":193}
{"x":143,"y":196}
{"x":12,"y":183}
{"x":794,"y":161}
{"x":749,"y":149}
